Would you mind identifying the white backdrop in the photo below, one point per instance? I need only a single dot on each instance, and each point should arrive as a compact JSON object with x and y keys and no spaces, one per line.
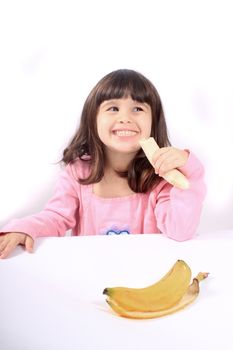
{"x":53,"y":52}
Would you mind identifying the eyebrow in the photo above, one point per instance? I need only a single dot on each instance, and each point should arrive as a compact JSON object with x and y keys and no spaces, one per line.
{"x":115,"y":101}
{"x":108,"y":102}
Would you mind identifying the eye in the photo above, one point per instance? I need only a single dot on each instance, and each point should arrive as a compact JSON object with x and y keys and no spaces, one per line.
{"x":113,"y":109}
{"x":138,"y":109}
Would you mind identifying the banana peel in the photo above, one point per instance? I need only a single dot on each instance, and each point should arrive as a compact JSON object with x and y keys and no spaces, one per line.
{"x":189,"y":296}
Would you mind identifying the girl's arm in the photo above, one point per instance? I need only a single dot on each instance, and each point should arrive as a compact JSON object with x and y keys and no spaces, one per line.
{"x":58,"y":216}
{"x":178,"y":211}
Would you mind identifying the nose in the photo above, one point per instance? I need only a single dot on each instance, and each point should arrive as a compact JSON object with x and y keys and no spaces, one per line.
{"x":124,"y":119}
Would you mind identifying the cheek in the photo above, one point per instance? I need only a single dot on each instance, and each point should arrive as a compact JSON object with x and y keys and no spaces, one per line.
{"x":146,"y":125}
{"x":149,"y":125}
{"x":103,"y":127}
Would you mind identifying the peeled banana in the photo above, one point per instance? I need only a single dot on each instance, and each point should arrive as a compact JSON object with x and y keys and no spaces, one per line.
{"x":170,"y":294}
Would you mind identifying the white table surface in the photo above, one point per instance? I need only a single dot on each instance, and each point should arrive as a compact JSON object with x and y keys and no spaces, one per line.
{"x":52,"y":299}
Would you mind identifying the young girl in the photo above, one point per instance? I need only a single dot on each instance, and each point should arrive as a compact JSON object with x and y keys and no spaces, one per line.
{"x":108,"y":186}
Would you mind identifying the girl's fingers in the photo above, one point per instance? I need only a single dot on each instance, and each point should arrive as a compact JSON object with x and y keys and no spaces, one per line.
{"x":168,"y":158}
{"x":167,"y":164}
{"x":158,"y":158}
{"x":160,"y":152}
{"x":9,"y":241}
{"x":164,"y":162}
{"x":8,"y":247}
{"x":3,"y":245}
{"x":29,"y":243}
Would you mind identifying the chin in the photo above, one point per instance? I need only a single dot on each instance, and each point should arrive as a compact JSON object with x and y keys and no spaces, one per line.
{"x":128,"y":150}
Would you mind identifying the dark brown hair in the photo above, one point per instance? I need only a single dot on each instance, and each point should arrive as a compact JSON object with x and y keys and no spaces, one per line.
{"x":86,"y":142}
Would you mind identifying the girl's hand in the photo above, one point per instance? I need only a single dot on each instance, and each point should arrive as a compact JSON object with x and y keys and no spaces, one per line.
{"x":9,"y":241}
{"x":169,"y":158}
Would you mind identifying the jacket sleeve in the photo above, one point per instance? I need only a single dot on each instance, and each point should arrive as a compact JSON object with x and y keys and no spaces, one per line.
{"x":58,"y":216}
{"x":178,"y":211}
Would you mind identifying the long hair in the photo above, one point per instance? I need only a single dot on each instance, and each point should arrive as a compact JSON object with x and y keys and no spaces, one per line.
{"x":87,"y":144}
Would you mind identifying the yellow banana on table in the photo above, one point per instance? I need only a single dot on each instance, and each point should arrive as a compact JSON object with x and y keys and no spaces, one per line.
{"x":160,"y":295}
{"x":170,"y":294}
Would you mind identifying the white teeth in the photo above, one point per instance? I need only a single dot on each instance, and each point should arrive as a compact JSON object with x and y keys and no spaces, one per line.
{"x":125,"y":133}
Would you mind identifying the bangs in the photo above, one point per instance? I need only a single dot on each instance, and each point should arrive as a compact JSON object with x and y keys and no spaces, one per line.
{"x":125,"y":83}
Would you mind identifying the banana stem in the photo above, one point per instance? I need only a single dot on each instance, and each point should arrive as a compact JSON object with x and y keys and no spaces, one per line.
{"x":201,"y":276}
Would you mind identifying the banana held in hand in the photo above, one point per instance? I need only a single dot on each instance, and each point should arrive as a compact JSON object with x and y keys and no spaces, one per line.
{"x":159,"y":296}
{"x":174,"y":177}
{"x":190,"y":295}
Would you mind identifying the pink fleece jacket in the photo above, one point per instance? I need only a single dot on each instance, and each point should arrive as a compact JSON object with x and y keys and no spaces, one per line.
{"x":166,"y":209}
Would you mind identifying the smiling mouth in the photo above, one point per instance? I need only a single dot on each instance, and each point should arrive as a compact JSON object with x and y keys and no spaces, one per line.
{"x":125,"y":132}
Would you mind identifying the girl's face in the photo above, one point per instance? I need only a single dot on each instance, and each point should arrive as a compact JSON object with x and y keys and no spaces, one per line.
{"x":121,"y":123}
